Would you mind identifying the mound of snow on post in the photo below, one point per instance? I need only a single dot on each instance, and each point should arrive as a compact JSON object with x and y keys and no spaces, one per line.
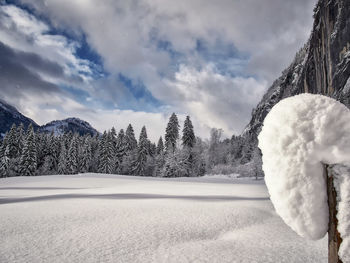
{"x":299,"y":134}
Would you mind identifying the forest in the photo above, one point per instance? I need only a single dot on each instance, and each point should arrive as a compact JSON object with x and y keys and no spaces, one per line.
{"x":30,"y":153}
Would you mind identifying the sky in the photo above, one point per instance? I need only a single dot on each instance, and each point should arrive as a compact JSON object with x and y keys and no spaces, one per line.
{"x":114,"y":62}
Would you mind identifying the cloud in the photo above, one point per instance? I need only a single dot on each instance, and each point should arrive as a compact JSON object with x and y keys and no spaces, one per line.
{"x":210,"y":59}
{"x":216,"y":100}
{"x":24,"y":32}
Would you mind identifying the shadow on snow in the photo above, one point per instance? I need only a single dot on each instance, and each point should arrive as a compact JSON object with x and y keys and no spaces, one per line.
{"x":131,"y":196}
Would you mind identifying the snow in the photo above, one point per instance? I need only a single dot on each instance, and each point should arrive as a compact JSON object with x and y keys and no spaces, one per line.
{"x":109,"y":218}
{"x":58,"y":127}
{"x":299,"y":134}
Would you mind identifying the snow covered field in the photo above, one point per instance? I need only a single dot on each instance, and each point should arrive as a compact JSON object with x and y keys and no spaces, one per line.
{"x":106,"y":218}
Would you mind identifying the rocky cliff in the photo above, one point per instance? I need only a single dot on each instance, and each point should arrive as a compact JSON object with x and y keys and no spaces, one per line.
{"x":322,"y":66}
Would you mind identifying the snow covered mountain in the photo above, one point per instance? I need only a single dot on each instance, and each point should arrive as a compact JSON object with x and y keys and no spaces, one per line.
{"x":322,"y":66}
{"x":10,"y":115}
{"x":74,"y":125}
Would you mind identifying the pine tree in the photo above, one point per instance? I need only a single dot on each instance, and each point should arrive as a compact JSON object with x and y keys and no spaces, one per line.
{"x":72,"y":156}
{"x":174,"y":166}
{"x":28,"y":162}
{"x":130,"y":140}
{"x":86,"y":155}
{"x":188,"y":137}
{"x":188,"y":142}
{"x":120,"y":151}
{"x":20,"y":138}
{"x":160,"y":146}
{"x":106,"y":160}
{"x":12,"y":142}
{"x":160,"y":158}
{"x":95,"y":153}
{"x":142,"y":152}
{"x":62,"y":161}
{"x":4,"y":160}
{"x":172,"y":133}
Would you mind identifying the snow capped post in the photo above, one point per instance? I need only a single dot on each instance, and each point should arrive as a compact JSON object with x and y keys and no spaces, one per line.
{"x":301,"y":137}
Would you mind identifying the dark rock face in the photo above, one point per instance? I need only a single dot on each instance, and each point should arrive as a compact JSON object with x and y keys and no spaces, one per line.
{"x":327,"y":68}
{"x":9,"y":115}
{"x":322,"y":66}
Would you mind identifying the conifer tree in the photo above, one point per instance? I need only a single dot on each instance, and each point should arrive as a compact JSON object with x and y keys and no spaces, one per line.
{"x":20,"y":138}
{"x":188,"y":137}
{"x":120,"y":151}
{"x":12,"y":141}
{"x":62,"y":162}
{"x":142,"y":152}
{"x":172,"y":133}
{"x":188,"y":142}
{"x":72,"y":156}
{"x":160,"y":158}
{"x":130,"y":140}
{"x":28,"y":162}
{"x":86,"y":155}
{"x":4,"y":160}
{"x":106,"y":160}
{"x":160,"y":146}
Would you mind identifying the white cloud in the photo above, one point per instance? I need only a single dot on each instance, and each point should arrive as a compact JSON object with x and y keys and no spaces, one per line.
{"x":24,"y":32}
{"x":125,"y":34}
{"x":214,"y":99}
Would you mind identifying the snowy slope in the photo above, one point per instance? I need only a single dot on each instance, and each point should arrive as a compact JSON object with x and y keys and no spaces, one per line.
{"x":74,"y":125}
{"x":106,"y":218}
{"x":10,"y":115}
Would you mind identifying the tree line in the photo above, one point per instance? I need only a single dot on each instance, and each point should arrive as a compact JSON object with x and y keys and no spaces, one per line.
{"x":30,"y":153}
{"x":179,"y":155}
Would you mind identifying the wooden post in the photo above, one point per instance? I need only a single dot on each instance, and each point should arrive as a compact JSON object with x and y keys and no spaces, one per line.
{"x":334,"y":239}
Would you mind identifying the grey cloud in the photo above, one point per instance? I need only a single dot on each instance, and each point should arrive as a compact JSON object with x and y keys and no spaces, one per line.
{"x":270,"y":31}
{"x":17,"y":77}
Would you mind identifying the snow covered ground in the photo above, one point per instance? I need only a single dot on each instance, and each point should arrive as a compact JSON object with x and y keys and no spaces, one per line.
{"x":106,"y":218}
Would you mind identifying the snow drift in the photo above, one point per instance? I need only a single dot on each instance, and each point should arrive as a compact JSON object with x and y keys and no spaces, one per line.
{"x":299,"y":134}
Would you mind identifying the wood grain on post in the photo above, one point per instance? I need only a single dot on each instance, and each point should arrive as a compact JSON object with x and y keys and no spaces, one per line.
{"x":334,"y":239}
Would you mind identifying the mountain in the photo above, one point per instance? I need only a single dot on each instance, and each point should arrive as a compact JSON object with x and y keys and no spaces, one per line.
{"x":322,"y":66}
{"x":74,"y":125}
{"x":10,"y":115}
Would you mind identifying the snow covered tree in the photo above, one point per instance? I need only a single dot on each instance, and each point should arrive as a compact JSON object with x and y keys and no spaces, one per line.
{"x":86,"y":155}
{"x":20,"y":138}
{"x":214,"y":148}
{"x":172,"y":133}
{"x":12,"y":142}
{"x":62,"y":161}
{"x":106,"y":161}
{"x":140,"y":164}
{"x":130,"y":140}
{"x":120,"y":151}
{"x":28,"y":162}
{"x":188,"y":137}
{"x":174,"y":165}
{"x":4,"y":160}
{"x":199,"y":165}
{"x":95,"y":153}
{"x":72,"y":156}
{"x":302,"y":138}
{"x":160,"y":146}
